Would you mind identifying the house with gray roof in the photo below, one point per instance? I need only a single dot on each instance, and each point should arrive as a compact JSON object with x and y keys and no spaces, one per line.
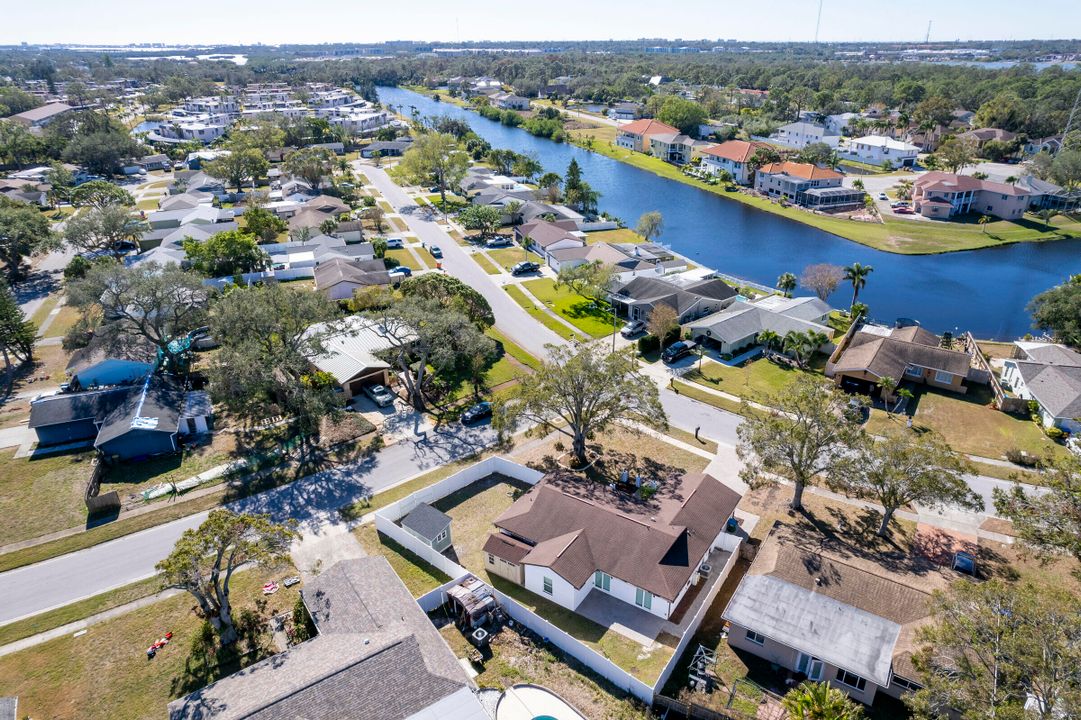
{"x":739,"y":325}
{"x":1050,"y":375}
{"x":377,"y":655}
{"x":430,"y":526}
{"x":810,"y":605}
{"x":339,"y":278}
{"x":39,"y":117}
{"x":636,"y":298}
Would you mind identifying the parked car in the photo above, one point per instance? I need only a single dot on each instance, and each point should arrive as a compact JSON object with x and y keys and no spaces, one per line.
{"x":399,"y":272}
{"x":677,"y":350}
{"x":633,"y":328}
{"x":903,"y":210}
{"x":433,"y":189}
{"x":524,"y":268}
{"x":379,"y":395}
{"x":478,"y":412}
{"x":500,"y":241}
{"x":395,"y":243}
{"x":436,"y":252}
{"x":899,"y":204}
{"x":883,"y":196}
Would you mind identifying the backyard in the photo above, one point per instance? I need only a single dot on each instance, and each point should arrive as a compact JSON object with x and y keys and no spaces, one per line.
{"x":579,"y":311}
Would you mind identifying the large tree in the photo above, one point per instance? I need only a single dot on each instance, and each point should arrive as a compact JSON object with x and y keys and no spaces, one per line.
{"x":820,"y":701}
{"x":1058,"y":311}
{"x":804,"y":439}
{"x":581,"y":392}
{"x":310,"y":164}
{"x":999,"y":650}
{"x":241,"y":165}
{"x":650,"y":225}
{"x":904,"y":469}
{"x":822,"y":279}
{"x":452,"y":294}
{"x":956,"y":154}
{"x":204,"y":559}
{"x":486,"y":218}
{"x":226,"y":253}
{"x":24,"y":232}
{"x":102,"y":151}
{"x":435,"y":157}
{"x":100,"y":194}
{"x":264,"y":224}
{"x":682,"y":114}
{"x":18,"y":145}
{"x":1050,"y":519}
{"x":1066,"y":168}
{"x":17,"y":334}
{"x":144,"y":302}
{"x":109,"y":230}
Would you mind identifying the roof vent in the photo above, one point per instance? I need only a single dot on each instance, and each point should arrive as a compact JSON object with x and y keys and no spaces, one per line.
{"x":653,"y":519}
{"x":818,"y":581}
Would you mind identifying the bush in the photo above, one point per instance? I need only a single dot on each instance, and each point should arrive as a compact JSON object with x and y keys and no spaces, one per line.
{"x":1017,"y":457}
{"x":303,"y":626}
{"x":648,"y":344}
{"x":1056,"y":434}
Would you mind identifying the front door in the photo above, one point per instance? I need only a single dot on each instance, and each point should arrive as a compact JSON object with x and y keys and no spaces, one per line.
{"x":810,"y":666}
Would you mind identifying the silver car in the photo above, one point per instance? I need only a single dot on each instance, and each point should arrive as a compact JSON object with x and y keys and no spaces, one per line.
{"x":379,"y":394}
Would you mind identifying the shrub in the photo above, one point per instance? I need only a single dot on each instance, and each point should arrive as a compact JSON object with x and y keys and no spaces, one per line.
{"x":1056,"y":434}
{"x":1017,"y":457}
{"x":648,"y":344}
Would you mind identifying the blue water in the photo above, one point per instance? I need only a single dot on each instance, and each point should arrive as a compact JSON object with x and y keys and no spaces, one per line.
{"x":984,"y":291}
{"x":147,"y":126}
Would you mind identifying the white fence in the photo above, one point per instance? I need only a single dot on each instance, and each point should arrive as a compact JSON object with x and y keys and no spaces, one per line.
{"x":386,"y":523}
{"x":586,"y":226}
{"x":273,"y":275}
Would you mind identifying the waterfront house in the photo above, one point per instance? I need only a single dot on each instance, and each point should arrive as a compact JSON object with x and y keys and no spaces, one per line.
{"x":1050,"y":375}
{"x":878,"y":150}
{"x":738,"y":326}
{"x":811,"y":606}
{"x":636,"y":298}
{"x":1047,"y":195}
{"x":906,"y":354}
{"x":676,"y":148}
{"x":943,"y":195}
{"x":544,"y":237}
{"x":732,"y":157}
{"x":806,"y":184}
{"x":565,"y":540}
{"x":636,"y":135}
{"x":624,"y":258}
{"x":626,"y":111}
{"x":799,"y":135}
{"x":509,"y":101}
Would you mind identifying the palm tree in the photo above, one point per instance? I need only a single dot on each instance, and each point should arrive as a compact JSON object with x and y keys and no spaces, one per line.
{"x":803,"y":345}
{"x":768,"y":340}
{"x":786,"y":283}
{"x":857,"y":184}
{"x":819,"y":701}
{"x":888,"y":385}
{"x":1046,"y":214}
{"x":857,"y":275}
{"x":982,"y":222}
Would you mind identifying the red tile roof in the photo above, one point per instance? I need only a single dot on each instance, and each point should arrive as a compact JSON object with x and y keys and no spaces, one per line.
{"x":647,"y":126}
{"x":735,"y":150}
{"x":807,"y":171}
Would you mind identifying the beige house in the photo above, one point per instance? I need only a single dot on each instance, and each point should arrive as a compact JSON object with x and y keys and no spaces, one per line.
{"x":636,"y":135}
{"x":943,"y":195}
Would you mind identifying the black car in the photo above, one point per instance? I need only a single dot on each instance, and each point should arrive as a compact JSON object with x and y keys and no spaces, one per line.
{"x":677,"y":350}
{"x":478,"y":412}
{"x":524,"y":268}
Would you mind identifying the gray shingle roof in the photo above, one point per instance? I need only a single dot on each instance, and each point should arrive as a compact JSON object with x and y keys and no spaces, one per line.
{"x":1056,"y":387}
{"x":155,"y":404}
{"x":71,"y":407}
{"x":426,"y":521}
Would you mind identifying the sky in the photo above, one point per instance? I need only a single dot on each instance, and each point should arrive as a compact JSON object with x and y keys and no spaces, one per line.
{"x":91,"y":22}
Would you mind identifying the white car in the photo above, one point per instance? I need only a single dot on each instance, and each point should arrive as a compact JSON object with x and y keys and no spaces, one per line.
{"x":379,"y":395}
{"x":395,"y":243}
{"x":633,"y":328}
{"x":1074,"y":445}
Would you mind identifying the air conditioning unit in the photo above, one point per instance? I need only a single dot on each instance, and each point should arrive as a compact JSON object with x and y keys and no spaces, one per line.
{"x":704,"y":570}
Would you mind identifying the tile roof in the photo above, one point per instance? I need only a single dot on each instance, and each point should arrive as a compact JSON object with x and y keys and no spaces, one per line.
{"x":952,"y":183}
{"x":577,"y":527}
{"x":736,"y":150}
{"x":647,"y":126}
{"x":804,"y":171}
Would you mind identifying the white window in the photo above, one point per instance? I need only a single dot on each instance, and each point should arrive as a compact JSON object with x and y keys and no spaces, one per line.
{"x":756,"y":638}
{"x":643,"y":598}
{"x":810,"y":666}
{"x":943,"y":377}
{"x":547,"y":586}
{"x":441,"y":536}
{"x":602,"y":580}
{"x":852,"y":680}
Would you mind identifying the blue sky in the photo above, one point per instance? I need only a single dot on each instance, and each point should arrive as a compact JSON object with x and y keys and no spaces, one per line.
{"x":290,"y":21}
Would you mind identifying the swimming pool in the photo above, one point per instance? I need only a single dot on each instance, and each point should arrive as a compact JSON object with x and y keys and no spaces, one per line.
{"x":533,"y":702}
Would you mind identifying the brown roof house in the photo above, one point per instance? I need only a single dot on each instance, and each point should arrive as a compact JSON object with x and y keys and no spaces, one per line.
{"x":567,"y":538}
{"x":636,"y":135}
{"x":812,"y":606}
{"x":909,"y":354}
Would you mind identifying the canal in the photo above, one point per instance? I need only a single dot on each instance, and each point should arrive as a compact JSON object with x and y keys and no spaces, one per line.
{"x":984,"y":291}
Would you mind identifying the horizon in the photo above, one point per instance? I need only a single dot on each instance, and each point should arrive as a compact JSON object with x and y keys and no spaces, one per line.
{"x":130,"y":22}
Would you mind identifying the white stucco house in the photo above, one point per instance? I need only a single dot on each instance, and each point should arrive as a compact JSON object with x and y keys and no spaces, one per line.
{"x":878,"y":149}
{"x":1050,"y":375}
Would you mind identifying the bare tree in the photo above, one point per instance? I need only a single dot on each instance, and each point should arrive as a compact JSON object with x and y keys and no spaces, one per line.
{"x":822,"y":279}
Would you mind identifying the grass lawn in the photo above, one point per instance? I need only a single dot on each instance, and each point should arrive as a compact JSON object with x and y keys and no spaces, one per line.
{"x":63,"y":677}
{"x":127,"y":478}
{"x":398,"y":224}
{"x":472,"y":510}
{"x":425,"y":256}
{"x":44,"y":309}
{"x":509,"y":257}
{"x":755,"y":380}
{"x":513,"y":349}
{"x":485,"y":262}
{"x":41,"y":496}
{"x":50,"y":362}
{"x":999,"y":350}
{"x":64,"y":321}
{"x":619,"y":235}
{"x":418,"y":576}
{"x":540,"y":315}
{"x":696,"y":393}
{"x":78,"y":610}
{"x":600,"y":133}
{"x":579,"y":311}
{"x":406,"y":258}
{"x":909,"y":237}
{"x":969,"y":423}
{"x":386,"y":206}
{"x":688,"y":437}
{"x":149,"y":204}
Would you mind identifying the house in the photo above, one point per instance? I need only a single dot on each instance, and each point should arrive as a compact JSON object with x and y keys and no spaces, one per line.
{"x":625,"y":111}
{"x":748,"y":97}
{"x":808,"y":185}
{"x":628,"y":260}
{"x":981,"y":136}
{"x":309,"y":220}
{"x":328,"y":205}
{"x":1050,"y":375}
{"x":676,"y":148}
{"x":155,"y":162}
{"x":387,"y":148}
{"x":733,"y":157}
{"x":906,"y":354}
{"x":198,"y":215}
{"x":192,"y":181}
{"x":339,"y":279}
{"x":799,"y":135}
{"x":40,"y":117}
{"x":94,"y":367}
{"x":543,"y":237}
{"x":811,"y":606}
{"x":34,"y":193}
{"x":1048,"y":196}
{"x":878,"y":150}
{"x":943,"y":195}
{"x":564,"y":539}
{"x":636,"y":135}
{"x":1051,"y":144}
{"x":124,"y":422}
{"x":738,"y":326}
{"x":534,"y":210}
{"x":840,"y":123}
{"x":376,"y":655}
{"x":509,"y":101}
{"x":428,"y":525}
{"x":349,"y":353}
{"x":185,"y":201}
{"x":352,"y":231}
{"x":636,"y":298}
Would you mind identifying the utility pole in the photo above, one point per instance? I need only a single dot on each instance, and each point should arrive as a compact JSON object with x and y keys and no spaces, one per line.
{"x":818,"y":22}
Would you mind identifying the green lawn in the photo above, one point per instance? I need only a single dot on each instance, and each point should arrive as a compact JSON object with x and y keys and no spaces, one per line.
{"x":149,"y":204}
{"x":398,"y":224}
{"x":619,"y":235}
{"x":513,"y":349}
{"x":41,"y":496}
{"x":696,"y":393}
{"x":406,"y":258}
{"x":425,"y":256}
{"x":509,"y":257}
{"x":386,"y":206}
{"x":540,"y":315}
{"x":485,"y":262}
{"x":909,"y":237}
{"x":64,"y":321}
{"x":44,"y":309}
{"x":581,"y":312}
{"x":755,"y":380}
{"x":419,"y":577}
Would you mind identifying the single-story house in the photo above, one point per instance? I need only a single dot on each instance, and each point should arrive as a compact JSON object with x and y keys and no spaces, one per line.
{"x":352,"y":231}
{"x":307,"y":219}
{"x":430,"y":526}
{"x":185,"y":201}
{"x":732,"y":157}
{"x":155,"y":162}
{"x":327,"y":204}
{"x":124,"y":422}
{"x":535,"y":210}
{"x":198,"y":215}
{"x":41,"y":116}
{"x":544,"y":238}
{"x":387,"y":148}
{"x":1050,"y":375}
{"x":739,"y":325}
{"x":620,"y":256}
{"x":636,"y":135}
{"x":339,"y":278}
{"x":23,"y":191}
{"x":187,"y":181}
{"x":942,"y":195}
{"x":636,"y":298}
{"x":376,"y":655}
{"x":625,"y":111}
{"x":349,"y":353}
{"x":907,"y":354}
{"x":809,"y":605}
{"x":879,"y":149}
{"x":981,"y":136}
{"x":92,"y":367}
{"x":564,"y":539}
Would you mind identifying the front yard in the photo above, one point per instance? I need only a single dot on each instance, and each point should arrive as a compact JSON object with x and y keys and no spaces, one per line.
{"x":540,"y":315}
{"x":507,"y":258}
{"x":756,"y":379}
{"x":41,"y":496}
{"x":579,"y":311}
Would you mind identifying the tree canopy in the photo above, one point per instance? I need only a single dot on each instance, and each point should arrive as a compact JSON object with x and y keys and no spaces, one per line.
{"x":1058,"y":311}
{"x":226,"y":253}
{"x":24,"y":232}
{"x":435,"y":157}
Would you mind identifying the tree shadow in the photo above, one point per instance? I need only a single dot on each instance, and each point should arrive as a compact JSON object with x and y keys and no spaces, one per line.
{"x":208,"y":661}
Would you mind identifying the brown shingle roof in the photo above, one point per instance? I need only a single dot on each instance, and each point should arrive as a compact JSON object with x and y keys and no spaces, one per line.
{"x":889,"y":356}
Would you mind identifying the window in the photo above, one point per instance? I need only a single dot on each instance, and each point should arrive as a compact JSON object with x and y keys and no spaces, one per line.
{"x":547,"y":586}
{"x":943,"y":377}
{"x":643,"y":598}
{"x":914,"y":371}
{"x":756,"y":638}
{"x":441,"y":536}
{"x":851,"y":680}
{"x":602,"y":580}
{"x":491,"y":559}
{"x":905,"y":683}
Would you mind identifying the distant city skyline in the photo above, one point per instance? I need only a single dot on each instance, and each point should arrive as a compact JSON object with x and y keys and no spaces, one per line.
{"x":276,"y":22}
